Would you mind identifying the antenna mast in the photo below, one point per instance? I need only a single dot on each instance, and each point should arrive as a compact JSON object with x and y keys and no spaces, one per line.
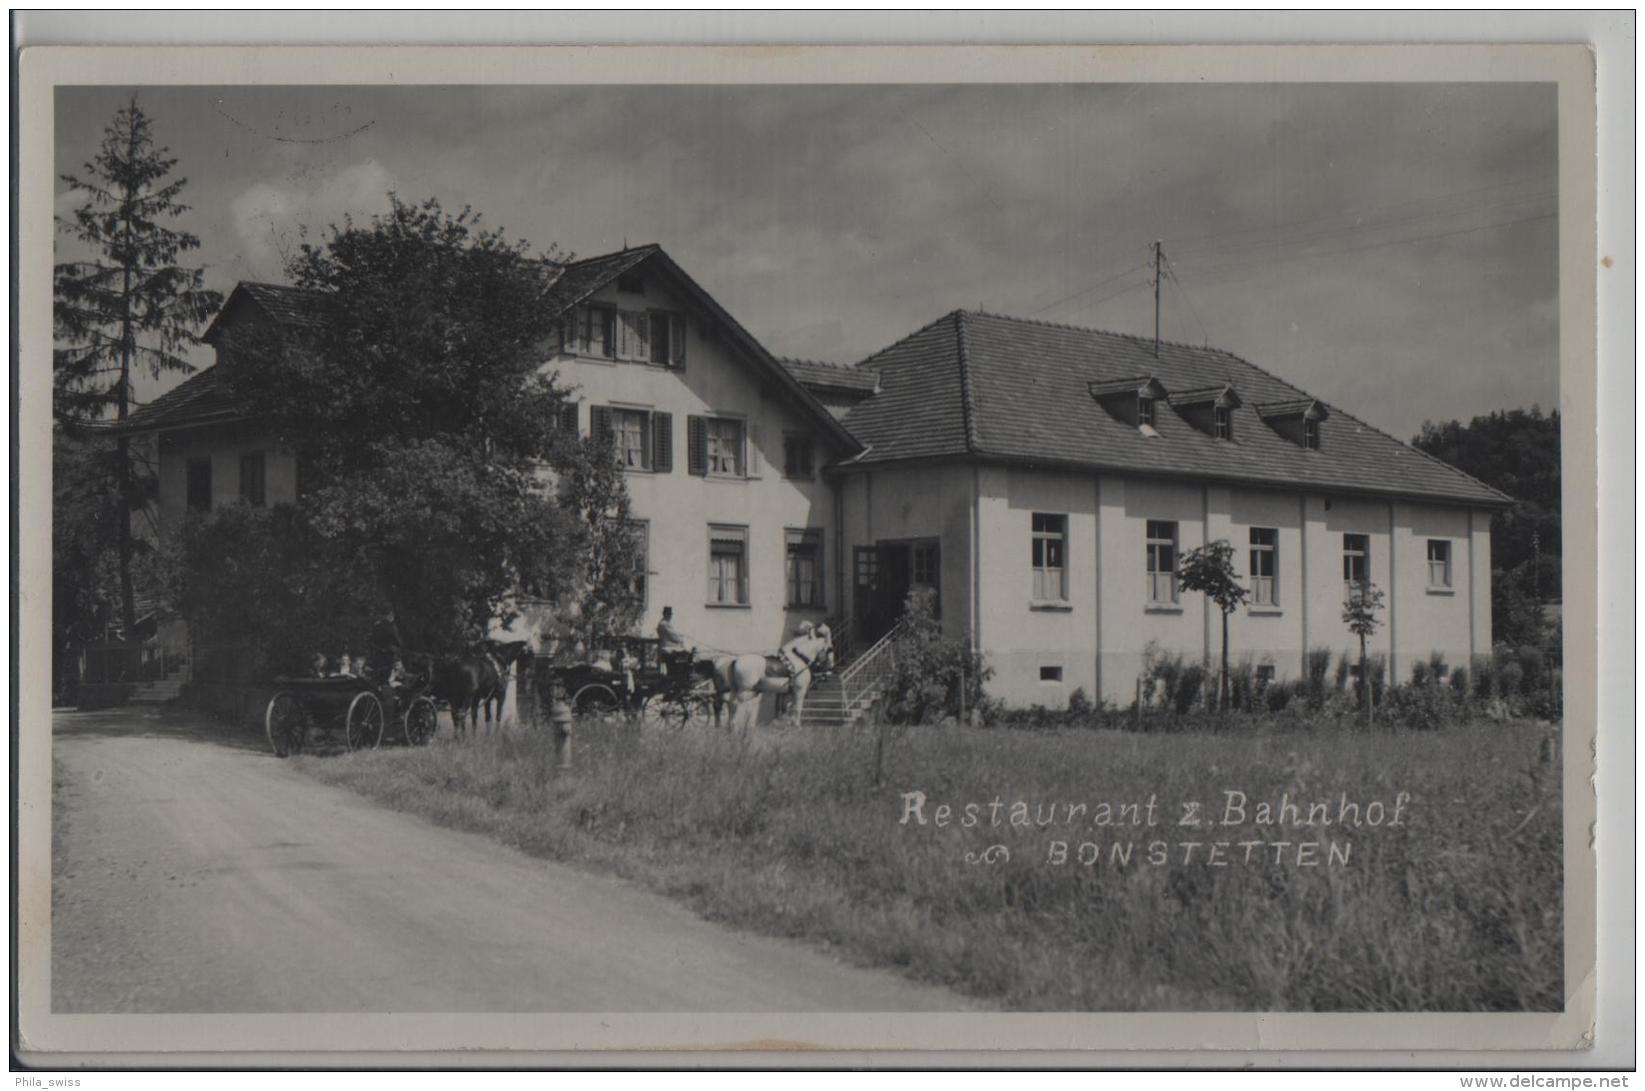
{"x":1159,"y":252}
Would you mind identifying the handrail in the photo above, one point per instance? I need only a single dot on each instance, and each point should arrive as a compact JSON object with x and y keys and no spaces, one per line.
{"x":872,"y":668}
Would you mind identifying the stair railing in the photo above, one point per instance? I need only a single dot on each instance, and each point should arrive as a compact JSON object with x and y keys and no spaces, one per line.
{"x":870,"y":672}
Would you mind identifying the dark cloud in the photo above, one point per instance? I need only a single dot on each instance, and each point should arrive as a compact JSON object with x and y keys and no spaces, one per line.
{"x":1391,"y":247}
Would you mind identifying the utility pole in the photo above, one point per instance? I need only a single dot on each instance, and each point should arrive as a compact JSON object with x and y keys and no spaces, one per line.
{"x":1159,"y":252}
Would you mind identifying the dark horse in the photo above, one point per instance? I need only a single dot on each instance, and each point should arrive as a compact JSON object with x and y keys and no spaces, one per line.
{"x":476,"y":681}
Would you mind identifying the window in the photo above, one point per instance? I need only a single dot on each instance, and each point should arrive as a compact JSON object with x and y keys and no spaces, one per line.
{"x":661,"y":329}
{"x":1264,"y":565}
{"x":631,"y":433}
{"x":641,"y":529}
{"x":805,"y":566}
{"x":1356,"y":561}
{"x":1050,"y":674}
{"x":252,"y":489}
{"x":1145,"y":411}
{"x":1310,"y":433}
{"x":597,"y":332}
{"x":727,"y":565}
{"x":641,"y":439}
{"x":1439,"y":563}
{"x":1162,"y":561}
{"x":1222,"y":422}
{"x":1050,"y":545}
{"x":797,"y":456}
{"x":724,"y":439}
{"x":199,"y":484}
{"x":923,"y":564}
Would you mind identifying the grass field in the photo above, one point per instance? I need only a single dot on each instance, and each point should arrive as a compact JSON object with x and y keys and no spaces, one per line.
{"x":1457,"y":907}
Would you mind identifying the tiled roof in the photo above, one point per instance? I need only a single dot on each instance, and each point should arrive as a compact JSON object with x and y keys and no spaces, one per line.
{"x":819,"y":375}
{"x":581,"y":279}
{"x":288,"y":306}
{"x":196,"y":398}
{"x":1013,"y":389}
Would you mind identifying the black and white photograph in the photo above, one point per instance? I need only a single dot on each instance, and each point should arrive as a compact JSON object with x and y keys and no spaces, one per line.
{"x":857,"y":546}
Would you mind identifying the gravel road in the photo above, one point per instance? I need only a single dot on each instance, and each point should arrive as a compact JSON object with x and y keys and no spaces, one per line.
{"x":195,"y":872}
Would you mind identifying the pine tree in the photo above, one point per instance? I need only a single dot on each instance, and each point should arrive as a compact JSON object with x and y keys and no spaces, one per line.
{"x":128,"y":305}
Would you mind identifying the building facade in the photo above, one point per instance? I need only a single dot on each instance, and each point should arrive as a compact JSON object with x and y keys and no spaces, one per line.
{"x":1042,"y":480}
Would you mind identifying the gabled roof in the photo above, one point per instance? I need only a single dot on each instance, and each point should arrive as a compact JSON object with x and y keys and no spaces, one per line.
{"x":1134,"y":386}
{"x":1015,"y":390}
{"x":819,"y":376}
{"x":1223,"y":396}
{"x":582,"y":279}
{"x":1296,"y":407}
{"x":196,"y":400}
{"x":292,"y":308}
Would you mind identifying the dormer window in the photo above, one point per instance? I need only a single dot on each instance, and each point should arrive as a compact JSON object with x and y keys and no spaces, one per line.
{"x":1210,"y":409}
{"x":1298,"y":421}
{"x":1134,"y":401}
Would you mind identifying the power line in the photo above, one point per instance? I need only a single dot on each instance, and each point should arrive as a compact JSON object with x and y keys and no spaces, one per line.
{"x":1381,"y":226}
{"x":1191,"y":240}
{"x":1207,"y":275}
{"x":1087,"y":291}
{"x":1182,"y":293}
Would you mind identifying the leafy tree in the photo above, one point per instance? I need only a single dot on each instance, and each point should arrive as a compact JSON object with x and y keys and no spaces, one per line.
{"x":414,"y":397}
{"x":129,"y":305}
{"x":1517,"y":451}
{"x":1210,"y":570}
{"x":1360,"y":615}
{"x":85,"y":551}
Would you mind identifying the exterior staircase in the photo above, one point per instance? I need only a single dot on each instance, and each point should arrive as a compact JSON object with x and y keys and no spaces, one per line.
{"x":163,"y":690}
{"x":845,"y":696}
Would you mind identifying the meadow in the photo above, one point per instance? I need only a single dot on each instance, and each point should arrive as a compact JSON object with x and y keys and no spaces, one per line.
{"x":1454,"y":907}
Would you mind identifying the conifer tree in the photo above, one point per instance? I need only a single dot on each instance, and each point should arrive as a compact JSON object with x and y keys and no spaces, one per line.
{"x":126,"y":305}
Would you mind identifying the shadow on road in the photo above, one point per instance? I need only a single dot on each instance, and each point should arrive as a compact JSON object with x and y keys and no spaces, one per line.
{"x":160,"y":722}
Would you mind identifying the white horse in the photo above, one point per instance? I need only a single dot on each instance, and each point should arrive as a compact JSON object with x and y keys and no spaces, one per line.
{"x":742,"y":678}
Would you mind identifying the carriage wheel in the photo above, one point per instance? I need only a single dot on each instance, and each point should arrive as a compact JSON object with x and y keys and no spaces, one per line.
{"x":286,"y":723}
{"x":596,"y":701}
{"x":656,"y":710}
{"x":421,"y":719}
{"x":365,"y":722}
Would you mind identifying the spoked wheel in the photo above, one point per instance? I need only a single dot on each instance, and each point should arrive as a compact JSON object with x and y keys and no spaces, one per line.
{"x":286,"y":724}
{"x":655,"y":711}
{"x":365,"y":722}
{"x":597,"y":702}
{"x":421,"y":719}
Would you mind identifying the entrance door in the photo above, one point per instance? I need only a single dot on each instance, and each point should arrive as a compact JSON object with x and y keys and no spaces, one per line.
{"x":885,"y":573}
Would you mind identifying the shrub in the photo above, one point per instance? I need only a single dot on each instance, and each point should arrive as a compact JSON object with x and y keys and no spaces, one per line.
{"x":1459,"y":682}
{"x":1189,"y":692}
{"x":1420,"y":675}
{"x":1318,"y":664}
{"x":1242,"y":684}
{"x":934,"y":675}
{"x":1343,"y":667}
{"x":1437,"y":665}
{"x":1079,"y":705}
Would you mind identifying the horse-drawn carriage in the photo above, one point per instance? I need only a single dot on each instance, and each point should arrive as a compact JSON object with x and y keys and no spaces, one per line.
{"x":639,"y":682}
{"x":357,"y":707}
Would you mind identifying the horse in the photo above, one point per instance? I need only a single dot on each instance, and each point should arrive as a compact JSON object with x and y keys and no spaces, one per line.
{"x":742,"y":678}
{"x":475,"y":682}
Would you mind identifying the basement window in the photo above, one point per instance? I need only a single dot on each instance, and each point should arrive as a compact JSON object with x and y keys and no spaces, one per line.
{"x":1050,"y":674}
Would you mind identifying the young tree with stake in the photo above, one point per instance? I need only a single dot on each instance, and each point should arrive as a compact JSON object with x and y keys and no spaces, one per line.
{"x":126,"y":306}
{"x":1210,"y":571}
{"x":1360,"y":615}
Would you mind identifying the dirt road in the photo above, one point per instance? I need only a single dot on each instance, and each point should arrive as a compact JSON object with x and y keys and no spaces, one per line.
{"x":195,"y":872}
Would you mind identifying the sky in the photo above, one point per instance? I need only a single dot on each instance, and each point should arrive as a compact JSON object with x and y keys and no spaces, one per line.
{"x":1391,"y":248}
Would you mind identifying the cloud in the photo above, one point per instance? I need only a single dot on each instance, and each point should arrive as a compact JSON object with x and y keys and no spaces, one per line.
{"x":270,"y":220}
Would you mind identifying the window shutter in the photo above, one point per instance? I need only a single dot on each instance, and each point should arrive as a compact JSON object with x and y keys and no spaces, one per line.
{"x":599,"y":423}
{"x":641,"y":348}
{"x":676,"y":340}
{"x":662,"y":442}
{"x":568,"y":417}
{"x":753,"y":464}
{"x":697,"y":446}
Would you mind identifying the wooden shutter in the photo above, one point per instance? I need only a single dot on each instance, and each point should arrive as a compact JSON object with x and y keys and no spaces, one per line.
{"x":642,"y":336}
{"x":599,"y":424}
{"x":676,"y":340}
{"x":696,"y":434}
{"x":753,"y":463}
{"x":662,"y":442}
{"x":568,"y":417}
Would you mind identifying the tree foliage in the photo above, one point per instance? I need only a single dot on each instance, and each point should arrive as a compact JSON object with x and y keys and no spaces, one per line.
{"x":124,"y":306}
{"x":1517,"y":451}
{"x":1210,"y":570}
{"x":414,"y":397}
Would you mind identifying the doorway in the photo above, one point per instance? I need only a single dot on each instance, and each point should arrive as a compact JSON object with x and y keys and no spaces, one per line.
{"x":884,"y":573}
